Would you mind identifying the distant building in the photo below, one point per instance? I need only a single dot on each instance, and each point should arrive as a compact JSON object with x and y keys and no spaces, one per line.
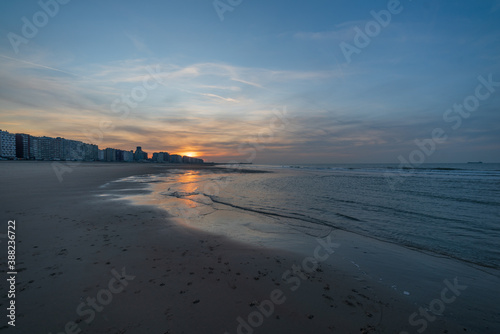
{"x":119,"y":155}
{"x":110,"y":154}
{"x":7,"y":144}
{"x":77,"y":150}
{"x":22,"y":146}
{"x":34,"y":151}
{"x":140,"y":154}
{"x":47,"y":148}
{"x":161,"y":157}
{"x":74,"y":150}
{"x":128,"y":156}
{"x":100,"y":155}
{"x":175,"y":158}
{"x":25,"y":146}
{"x":191,"y":160}
{"x":91,"y":152}
{"x":58,"y":151}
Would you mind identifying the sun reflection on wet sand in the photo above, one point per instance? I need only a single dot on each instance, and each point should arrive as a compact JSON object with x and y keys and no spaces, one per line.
{"x":188,"y":182}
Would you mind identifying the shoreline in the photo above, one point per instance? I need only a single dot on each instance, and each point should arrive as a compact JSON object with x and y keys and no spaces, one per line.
{"x":413,"y":274}
{"x":185,"y":280}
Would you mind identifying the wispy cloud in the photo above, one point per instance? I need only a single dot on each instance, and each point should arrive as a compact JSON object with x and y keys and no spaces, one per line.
{"x":247,"y":82}
{"x":35,"y":65}
{"x":202,"y":105}
{"x":227,"y":99}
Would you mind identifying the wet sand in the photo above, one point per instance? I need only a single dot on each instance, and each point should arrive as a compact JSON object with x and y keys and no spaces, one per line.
{"x":87,"y":264}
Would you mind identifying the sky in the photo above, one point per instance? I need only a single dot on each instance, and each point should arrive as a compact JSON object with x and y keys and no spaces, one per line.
{"x":274,"y":82}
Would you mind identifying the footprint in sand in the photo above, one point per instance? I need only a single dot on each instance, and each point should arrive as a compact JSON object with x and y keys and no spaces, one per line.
{"x":371,"y":309}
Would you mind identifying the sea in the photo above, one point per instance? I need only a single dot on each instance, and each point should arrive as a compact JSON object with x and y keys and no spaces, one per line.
{"x":450,"y":210}
{"x":411,"y":231}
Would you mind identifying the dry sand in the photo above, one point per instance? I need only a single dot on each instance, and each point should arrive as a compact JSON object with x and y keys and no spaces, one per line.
{"x":72,"y":245}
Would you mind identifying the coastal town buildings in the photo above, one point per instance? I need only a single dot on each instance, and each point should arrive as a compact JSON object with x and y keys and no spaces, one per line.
{"x":128,"y":156}
{"x":191,"y":160}
{"x":100,"y":155}
{"x":7,"y":144}
{"x":161,"y":157}
{"x":48,"y":148}
{"x":175,"y":158}
{"x":110,"y":155}
{"x":140,"y":155}
{"x":22,"y":146}
{"x":27,"y":147}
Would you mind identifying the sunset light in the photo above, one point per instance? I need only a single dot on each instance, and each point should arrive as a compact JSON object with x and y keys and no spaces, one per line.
{"x":238,"y":166}
{"x":190,"y":154}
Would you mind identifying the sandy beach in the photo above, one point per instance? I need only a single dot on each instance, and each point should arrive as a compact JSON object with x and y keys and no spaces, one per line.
{"x":87,"y":264}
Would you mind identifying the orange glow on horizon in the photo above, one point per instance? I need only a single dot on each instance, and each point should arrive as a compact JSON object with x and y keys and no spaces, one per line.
{"x":190,"y":154}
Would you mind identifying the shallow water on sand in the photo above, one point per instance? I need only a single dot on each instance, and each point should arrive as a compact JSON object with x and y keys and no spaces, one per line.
{"x":450,"y":217}
{"x":451,"y":210}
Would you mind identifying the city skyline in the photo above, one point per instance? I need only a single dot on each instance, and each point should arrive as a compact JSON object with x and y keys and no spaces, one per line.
{"x":264,"y":82}
{"x":25,"y":146}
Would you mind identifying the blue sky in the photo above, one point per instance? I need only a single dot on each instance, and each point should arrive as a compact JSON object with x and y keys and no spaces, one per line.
{"x":219,"y":84}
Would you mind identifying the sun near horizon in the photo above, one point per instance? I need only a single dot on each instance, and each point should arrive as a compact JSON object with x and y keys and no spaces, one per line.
{"x":189,"y":154}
